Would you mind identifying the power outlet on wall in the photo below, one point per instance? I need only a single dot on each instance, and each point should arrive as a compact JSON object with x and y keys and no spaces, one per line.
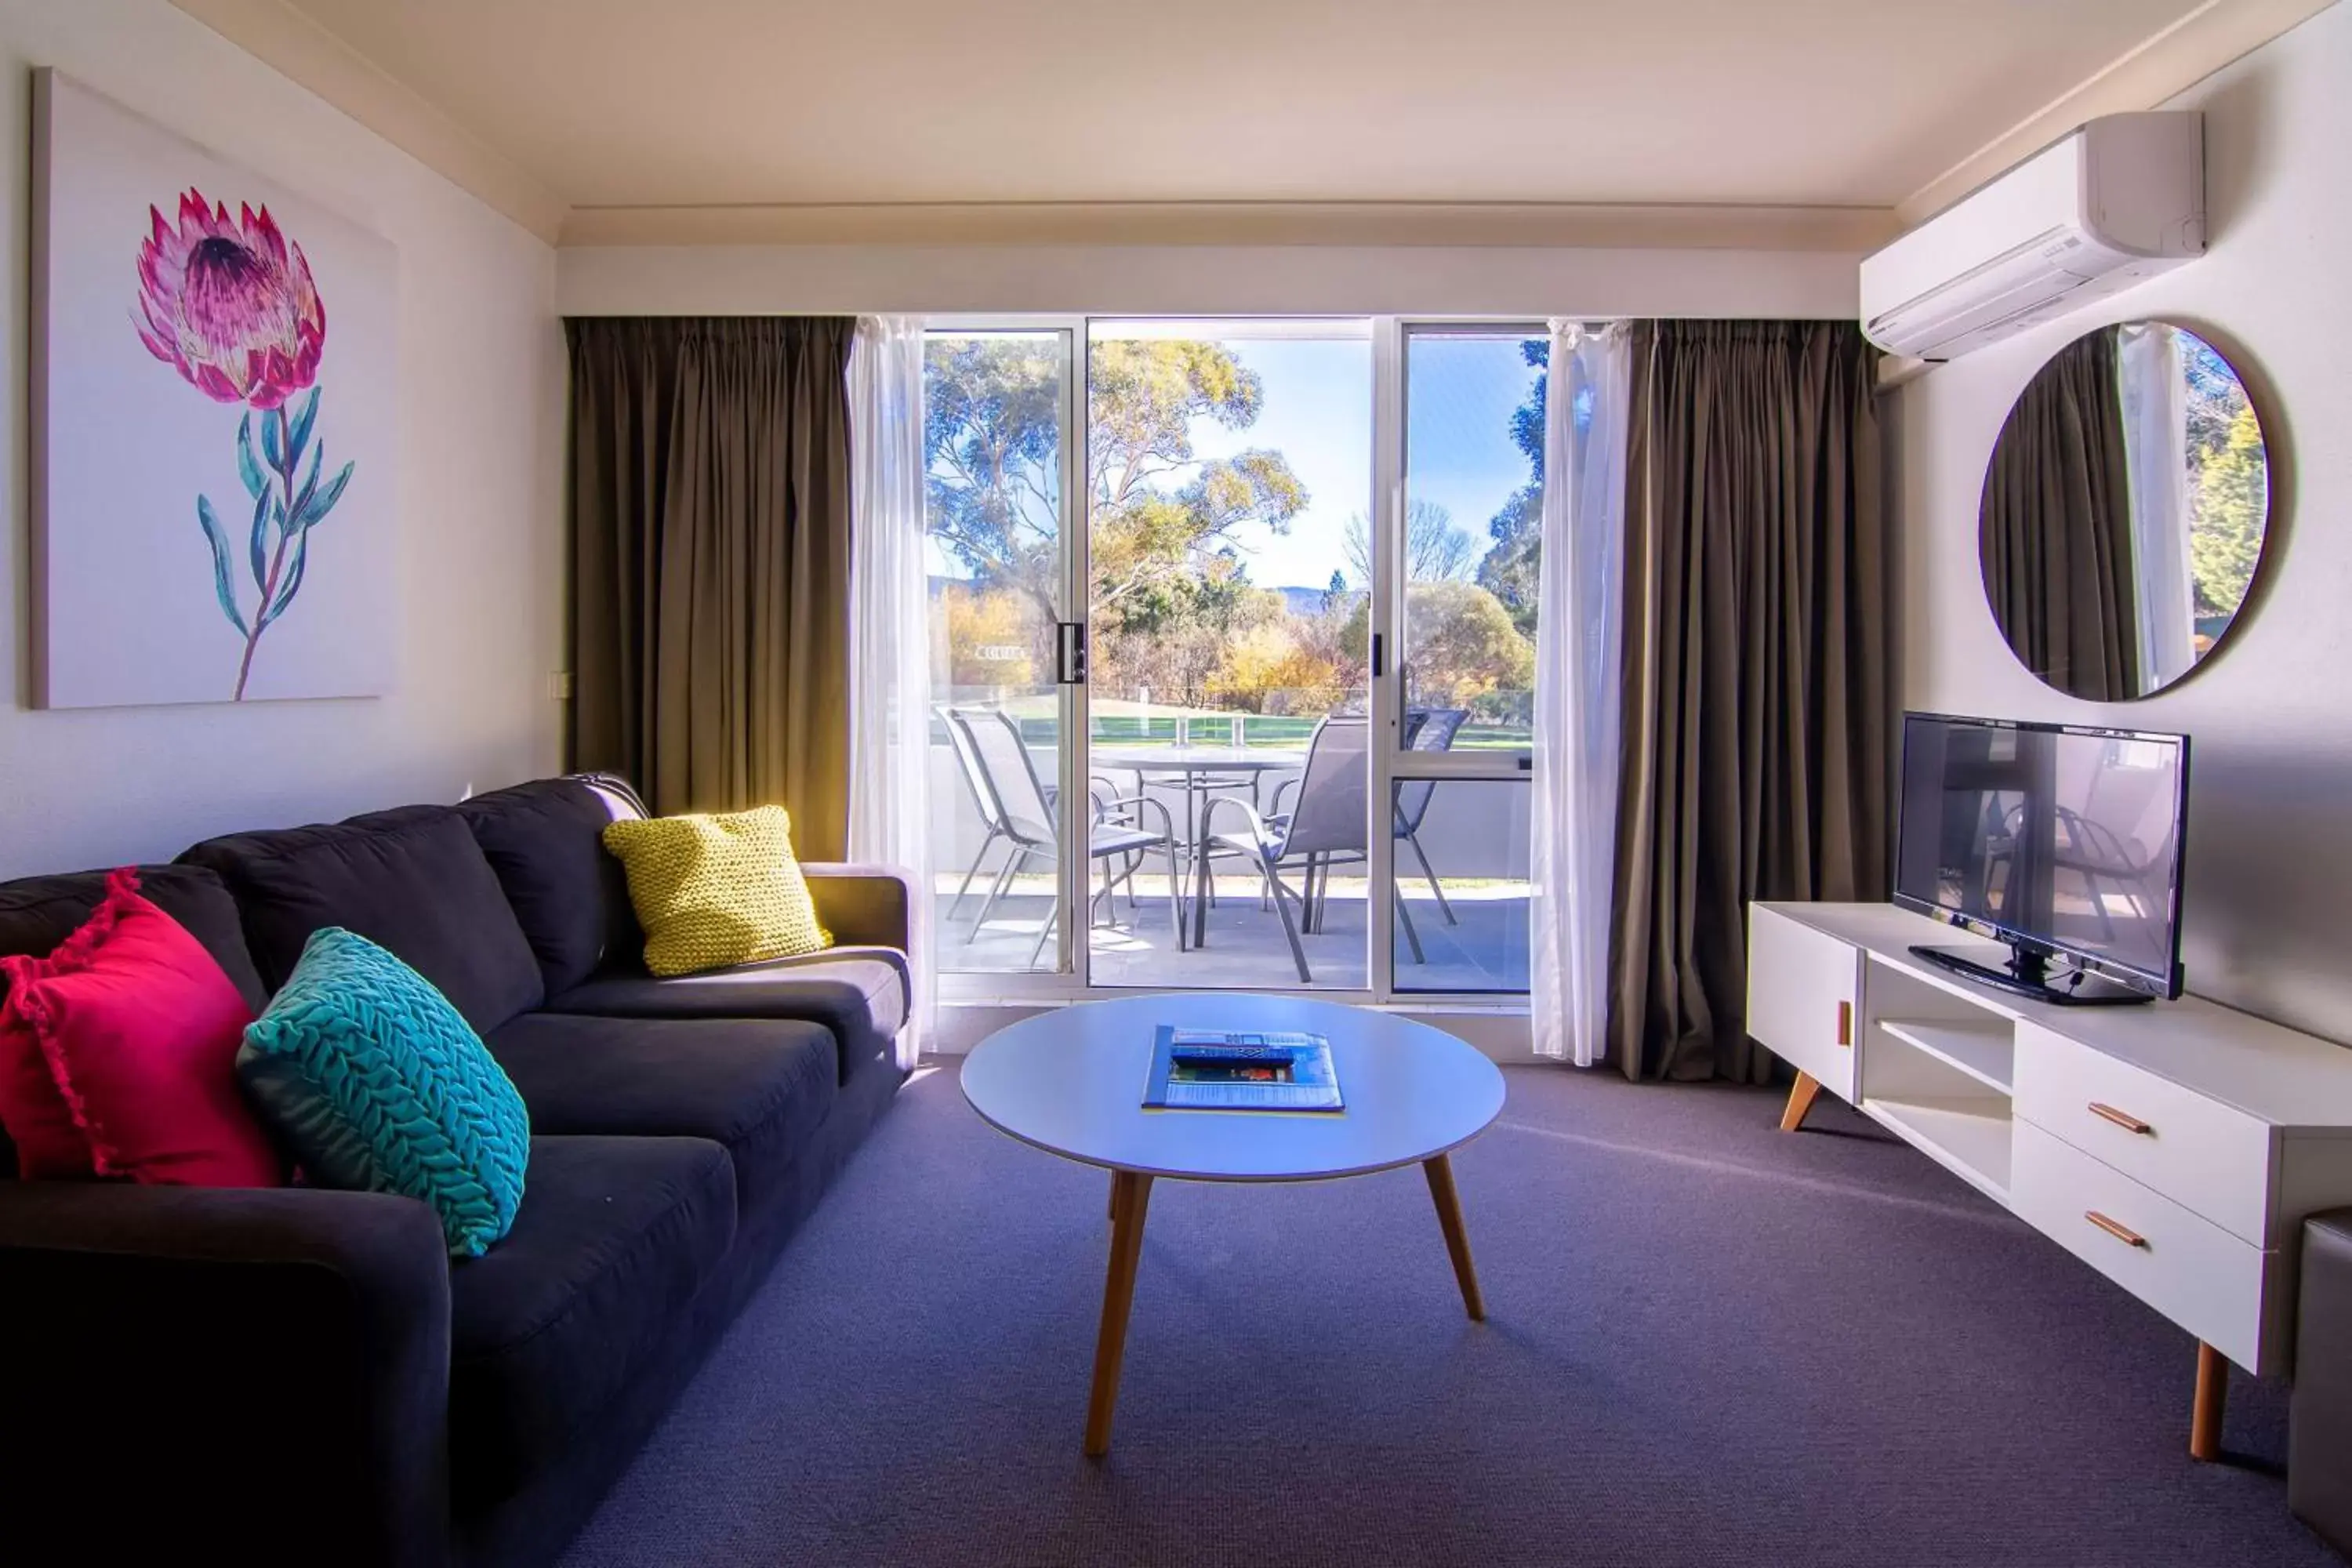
{"x":559,"y":686}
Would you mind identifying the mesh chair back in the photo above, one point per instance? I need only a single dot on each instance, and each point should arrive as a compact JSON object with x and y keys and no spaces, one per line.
{"x":1330,"y":812}
{"x":990,"y":814}
{"x":1010,"y":774}
{"x":1435,"y":732}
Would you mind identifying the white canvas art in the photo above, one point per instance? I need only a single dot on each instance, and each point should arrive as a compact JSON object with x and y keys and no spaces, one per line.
{"x":214,"y":424}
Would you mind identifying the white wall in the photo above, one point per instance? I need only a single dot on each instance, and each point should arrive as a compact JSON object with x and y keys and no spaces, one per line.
{"x":1499,"y":280}
{"x":2269,"y":890}
{"x":482,"y":370}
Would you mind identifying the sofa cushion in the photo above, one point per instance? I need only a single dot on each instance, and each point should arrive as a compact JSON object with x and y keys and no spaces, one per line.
{"x":412,"y":881}
{"x":858,"y":993}
{"x":614,"y":1238}
{"x":37,"y":914}
{"x":719,"y":888}
{"x":571,"y":897}
{"x":760,"y":1088}
{"x":138,"y":1027}
{"x":377,"y":1085}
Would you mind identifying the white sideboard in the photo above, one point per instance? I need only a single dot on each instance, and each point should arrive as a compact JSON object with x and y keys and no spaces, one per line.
{"x":2175,"y":1146}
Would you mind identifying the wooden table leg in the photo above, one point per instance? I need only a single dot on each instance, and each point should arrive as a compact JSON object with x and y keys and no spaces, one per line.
{"x":1440,"y":1171}
{"x":1800,"y":1100}
{"x":1130,"y":1196}
{"x":2205,"y":1413}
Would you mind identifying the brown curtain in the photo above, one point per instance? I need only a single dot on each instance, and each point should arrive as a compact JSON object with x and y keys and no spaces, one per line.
{"x":1757,"y":690}
{"x":2056,"y":529}
{"x":710,"y":512}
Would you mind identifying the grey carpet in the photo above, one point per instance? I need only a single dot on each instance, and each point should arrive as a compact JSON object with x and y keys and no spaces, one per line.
{"x":1710,"y":1343}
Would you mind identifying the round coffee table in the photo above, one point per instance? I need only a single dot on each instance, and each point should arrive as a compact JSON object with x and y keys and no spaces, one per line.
{"x":1071,"y":1082}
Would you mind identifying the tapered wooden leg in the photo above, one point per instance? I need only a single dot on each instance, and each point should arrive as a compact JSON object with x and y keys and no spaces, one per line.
{"x":1800,"y":1100}
{"x":2212,"y":1395}
{"x":1130,"y":1196}
{"x":1439,"y":1171}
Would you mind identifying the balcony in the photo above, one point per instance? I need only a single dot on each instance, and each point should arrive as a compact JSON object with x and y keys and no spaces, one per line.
{"x":1461,"y":919}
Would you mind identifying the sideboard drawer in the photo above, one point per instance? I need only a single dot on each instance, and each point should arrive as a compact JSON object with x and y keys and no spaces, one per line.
{"x":2225,"y":1291}
{"x":2197,"y":1151}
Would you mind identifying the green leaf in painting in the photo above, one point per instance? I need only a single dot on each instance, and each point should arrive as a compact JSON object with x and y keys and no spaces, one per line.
{"x":256,"y":546}
{"x":218,"y":538}
{"x":270,"y":450}
{"x":304,"y":414}
{"x":293,"y":578}
{"x":248,"y":467}
{"x":321,"y":503}
{"x":309,"y":487}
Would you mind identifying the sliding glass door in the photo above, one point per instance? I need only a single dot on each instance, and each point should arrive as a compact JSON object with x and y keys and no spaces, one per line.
{"x":1467,"y":554}
{"x":998,"y":417}
{"x":1229,"y":499}
{"x":1231,"y":642}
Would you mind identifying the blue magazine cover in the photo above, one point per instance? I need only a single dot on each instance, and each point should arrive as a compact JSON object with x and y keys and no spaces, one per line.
{"x":1240,"y":1069}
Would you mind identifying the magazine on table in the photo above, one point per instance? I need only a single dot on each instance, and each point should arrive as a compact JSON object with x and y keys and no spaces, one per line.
{"x":1240,"y":1069}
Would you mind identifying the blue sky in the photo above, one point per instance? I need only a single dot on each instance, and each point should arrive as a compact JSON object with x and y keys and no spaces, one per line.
{"x":1317,"y":412}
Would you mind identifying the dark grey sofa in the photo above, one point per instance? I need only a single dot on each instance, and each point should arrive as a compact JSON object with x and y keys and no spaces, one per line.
{"x":305,"y":1377}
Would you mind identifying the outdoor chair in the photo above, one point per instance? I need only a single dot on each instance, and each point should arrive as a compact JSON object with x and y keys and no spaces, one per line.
{"x":1434,"y":733}
{"x":1325,"y":827}
{"x":1005,"y":775}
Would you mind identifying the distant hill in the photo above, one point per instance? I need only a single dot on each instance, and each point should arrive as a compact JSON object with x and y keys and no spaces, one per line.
{"x":1310,"y":601}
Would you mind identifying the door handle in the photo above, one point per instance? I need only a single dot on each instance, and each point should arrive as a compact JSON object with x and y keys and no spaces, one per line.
{"x":1069,"y":653}
{"x":1380,"y":660}
{"x":1846,"y":1023}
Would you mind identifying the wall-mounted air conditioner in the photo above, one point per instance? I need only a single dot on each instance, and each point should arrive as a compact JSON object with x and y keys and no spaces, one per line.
{"x":2120,"y":200}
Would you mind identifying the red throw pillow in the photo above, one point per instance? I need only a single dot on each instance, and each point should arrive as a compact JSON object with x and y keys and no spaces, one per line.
{"x":49,"y":1147}
{"x":139,"y":1029}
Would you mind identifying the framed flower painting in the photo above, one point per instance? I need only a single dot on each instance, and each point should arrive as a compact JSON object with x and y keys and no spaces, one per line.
{"x":214,"y":435}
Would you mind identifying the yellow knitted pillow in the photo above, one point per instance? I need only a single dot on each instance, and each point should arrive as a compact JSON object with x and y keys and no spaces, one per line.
{"x":716,"y":889}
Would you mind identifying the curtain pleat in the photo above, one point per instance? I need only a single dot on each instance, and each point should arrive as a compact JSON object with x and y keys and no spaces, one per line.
{"x":1755,"y":714}
{"x":2055,"y":527}
{"x":710,"y":517}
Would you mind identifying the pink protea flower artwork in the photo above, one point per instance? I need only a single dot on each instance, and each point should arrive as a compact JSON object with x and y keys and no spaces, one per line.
{"x":230,"y":304}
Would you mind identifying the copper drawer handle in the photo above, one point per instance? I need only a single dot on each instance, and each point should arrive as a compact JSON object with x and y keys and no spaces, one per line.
{"x":2123,"y":1119}
{"x":2122,"y":1233}
{"x":1846,"y":1023}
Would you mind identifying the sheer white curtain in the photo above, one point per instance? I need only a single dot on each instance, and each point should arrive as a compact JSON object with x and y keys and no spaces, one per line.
{"x":1579,"y":582}
{"x":2155,"y":393}
{"x":889,"y":650}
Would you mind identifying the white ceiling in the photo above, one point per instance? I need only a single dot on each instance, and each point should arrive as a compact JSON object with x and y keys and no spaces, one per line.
{"x":632,"y":103}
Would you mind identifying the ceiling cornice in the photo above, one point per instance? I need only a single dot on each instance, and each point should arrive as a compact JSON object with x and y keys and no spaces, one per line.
{"x":1458,"y":224}
{"x":296,"y":47}
{"x":2175,"y":59}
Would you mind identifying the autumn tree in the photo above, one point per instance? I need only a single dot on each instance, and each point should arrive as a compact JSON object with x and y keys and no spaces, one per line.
{"x":1164,"y":522}
{"x":1512,"y":567}
{"x":2225,"y":541}
{"x":1434,"y":550}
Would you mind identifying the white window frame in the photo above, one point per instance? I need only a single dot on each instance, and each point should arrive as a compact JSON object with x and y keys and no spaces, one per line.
{"x":1390,"y":336}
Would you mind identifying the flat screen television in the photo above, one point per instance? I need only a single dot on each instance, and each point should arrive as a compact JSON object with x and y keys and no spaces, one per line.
{"x":2064,"y":843}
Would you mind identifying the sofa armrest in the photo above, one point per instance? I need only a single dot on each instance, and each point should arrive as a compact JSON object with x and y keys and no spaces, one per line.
{"x":267,"y":1372}
{"x":863,"y":906}
{"x":2319,"y":1413}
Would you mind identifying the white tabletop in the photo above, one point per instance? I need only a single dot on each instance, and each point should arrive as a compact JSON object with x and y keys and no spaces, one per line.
{"x":1071,"y":1081}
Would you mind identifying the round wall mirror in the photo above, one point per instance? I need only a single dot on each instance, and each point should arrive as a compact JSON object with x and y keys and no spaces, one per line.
{"x":2124,"y":511}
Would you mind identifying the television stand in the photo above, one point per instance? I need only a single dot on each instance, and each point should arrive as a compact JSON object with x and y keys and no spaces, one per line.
{"x":2174,"y":1148}
{"x":2028,"y":975}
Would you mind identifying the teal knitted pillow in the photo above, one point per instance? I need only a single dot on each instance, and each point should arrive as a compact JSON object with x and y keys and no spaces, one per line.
{"x":374,"y":1083}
